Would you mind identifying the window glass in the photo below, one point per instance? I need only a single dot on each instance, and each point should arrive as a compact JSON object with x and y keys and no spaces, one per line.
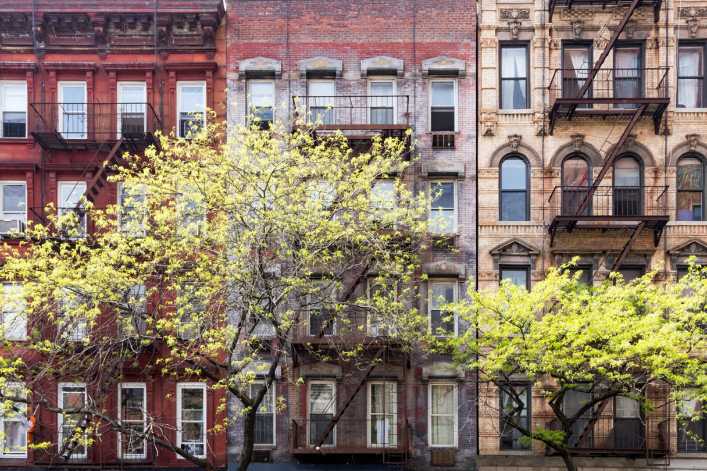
{"x":627,"y":74}
{"x":191,"y":310}
{"x":72,"y":323}
{"x":72,"y":110}
{"x":14,"y":109}
{"x":518,"y":276}
{"x":627,"y":197}
{"x":133,"y":323}
{"x":690,"y":183}
{"x":380,"y":294}
{"x":131,"y":212}
{"x":575,"y":63}
{"x":383,"y":195}
{"x":514,"y":190}
{"x":383,"y":411}
{"x":264,"y":416}
{"x":14,"y":424}
{"x":262,"y":101}
{"x":690,"y":76}
{"x":14,"y":317}
{"x":514,"y":83}
{"x":442,"y":322}
{"x":691,"y":433}
{"x":631,"y":273}
{"x":442,"y":208}
{"x":443,"y":414}
{"x":321,"y":101}
{"x":510,"y":436}
{"x":70,"y":194}
{"x":131,"y":112}
{"x":381,"y":102}
{"x":192,"y":436}
{"x":192,"y":104}
{"x":442,"y":113}
{"x":573,"y":402}
{"x":322,"y":405}
{"x":132,"y":416}
{"x":585,"y":277}
{"x":71,"y":397}
{"x":14,"y":202}
{"x":321,"y":310}
{"x":575,"y":172}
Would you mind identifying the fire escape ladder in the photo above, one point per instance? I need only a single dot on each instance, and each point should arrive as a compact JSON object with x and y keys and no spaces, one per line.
{"x":607,"y":164}
{"x":332,"y":423}
{"x":344,"y":297}
{"x":604,"y":54}
{"x":589,"y":427}
{"x":96,"y":184}
{"x":628,"y":245}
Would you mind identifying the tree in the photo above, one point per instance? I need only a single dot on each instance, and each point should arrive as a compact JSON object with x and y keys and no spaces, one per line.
{"x":579,"y":347}
{"x":221,"y":245}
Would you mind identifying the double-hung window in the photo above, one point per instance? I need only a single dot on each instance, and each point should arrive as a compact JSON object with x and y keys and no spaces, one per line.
{"x":517,"y":275}
{"x":191,"y":310}
{"x":322,"y":407}
{"x":264,"y":416}
{"x":692,"y":433}
{"x":14,"y":317}
{"x":133,"y":323}
{"x":73,"y":117}
{"x":321,"y":101}
{"x":576,"y":64}
{"x":442,"y":322}
{"x":191,"y":418}
{"x":72,"y":323}
{"x":14,"y":424}
{"x":191,"y":105}
{"x":514,"y":77}
{"x":133,"y":417}
{"x":443,"y":212}
{"x":72,"y":397}
{"x":14,"y":204}
{"x":132,"y":99}
{"x":443,"y":105}
{"x":513,"y":412}
{"x":382,"y":297}
{"x":70,"y":194}
{"x":515,"y":194}
{"x":192,"y":212}
{"x":13,"y":102}
{"x":442,"y":414}
{"x":381,"y":101}
{"x":322,"y":309}
{"x":690,"y":181}
{"x":628,"y":74}
{"x":382,"y":414}
{"x":691,"y":75}
{"x":131,"y":209}
{"x":383,"y":198}
{"x":262,"y":102}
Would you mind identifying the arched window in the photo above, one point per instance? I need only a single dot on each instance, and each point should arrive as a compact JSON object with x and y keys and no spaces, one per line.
{"x":628,"y":187}
{"x":576,"y":180}
{"x":691,"y":185}
{"x":515,"y":182}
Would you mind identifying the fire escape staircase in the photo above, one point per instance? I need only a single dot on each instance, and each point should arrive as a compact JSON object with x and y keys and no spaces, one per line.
{"x":567,"y":108}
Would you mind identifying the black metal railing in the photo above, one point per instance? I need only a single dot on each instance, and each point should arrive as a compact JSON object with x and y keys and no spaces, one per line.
{"x":354,"y":111}
{"x":94,"y":121}
{"x":609,"y":201}
{"x":372,"y":435}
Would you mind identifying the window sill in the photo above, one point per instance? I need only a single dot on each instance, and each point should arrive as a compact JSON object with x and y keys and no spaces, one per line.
{"x":517,"y":223}
{"x":16,"y":140}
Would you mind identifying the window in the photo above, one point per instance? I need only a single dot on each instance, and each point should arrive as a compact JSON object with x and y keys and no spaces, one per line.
{"x":131,"y":209}
{"x":443,"y":105}
{"x":191,"y":419}
{"x":692,"y":433}
{"x":191,"y":310}
{"x":515,"y":197}
{"x":628,"y":74}
{"x":321,"y":309}
{"x":133,"y":323}
{"x":191,"y":103}
{"x":382,"y":297}
{"x":630,"y":273}
{"x":132,"y":99}
{"x":381,"y":101}
{"x":382,"y":414}
{"x":192,"y":212}
{"x":442,"y":415}
{"x":628,"y":185}
{"x":13,"y":101}
{"x":574,"y":400}
{"x":628,"y":424}
{"x":14,"y":201}
{"x":264,"y":416}
{"x":14,"y":424}
{"x":691,"y":189}
{"x":321,"y":101}
{"x":133,"y":416}
{"x":443,"y":213}
{"x":383,"y":198}
{"x":262,"y":102}
{"x":518,"y":275}
{"x":691,"y":74}
{"x":585,"y":277}
{"x":72,"y":110}
{"x":322,"y":407}
{"x":576,"y":63}
{"x":510,"y":436}
{"x":514,"y":77}
{"x":72,"y":322}
{"x":70,"y":194}
{"x":72,"y":397}
{"x":576,"y":180}
{"x":14,"y":317}
{"x":443,"y":323}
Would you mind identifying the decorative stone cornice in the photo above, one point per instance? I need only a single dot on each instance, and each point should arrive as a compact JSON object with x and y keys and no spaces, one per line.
{"x":514,"y":251}
{"x":382,"y":65}
{"x":259,"y":67}
{"x":321,"y":65}
{"x":443,"y":65}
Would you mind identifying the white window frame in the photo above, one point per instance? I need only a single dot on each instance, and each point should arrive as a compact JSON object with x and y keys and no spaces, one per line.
{"x":63,"y":210}
{"x":22,"y":313}
{"x":250,"y":108}
{"x":271,"y":390}
{"x":455,"y":392}
{"x":3,"y":183}
{"x":60,"y":417}
{"x":442,"y":281}
{"x":180,"y":388}
{"x":456,"y":102}
{"x":13,"y":83}
{"x":137,"y":326}
{"x":430,"y":215}
{"x":17,"y":387}
{"x":369,"y":415}
{"x":332,"y":383}
{"x":122,"y":85}
{"x":311,"y":102}
{"x":384,"y":79}
{"x":181,"y":85}
{"x":370,"y":327}
{"x":62,"y":112}
{"x":124,"y":230}
{"x":80,"y":332}
{"x":142,"y":386}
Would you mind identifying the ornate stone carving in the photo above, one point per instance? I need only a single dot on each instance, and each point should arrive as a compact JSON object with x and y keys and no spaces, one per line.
{"x":444,"y":65}
{"x":630,"y":28}
{"x":514,"y":140}
{"x":515,"y":14}
{"x":692,"y":12}
{"x":514,"y":250}
{"x":489,"y":122}
{"x":631,"y":142}
{"x":577,"y":141}
{"x":692,"y":248}
{"x":692,"y":140}
{"x":382,"y":64}
{"x":514,"y":26}
{"x":488,"y":42}
{"x":577,"y":28}
{"x":542,"y":126}
{"x":259,"y":66}
{"x":321,"y":64}
{"x":693,"y":24}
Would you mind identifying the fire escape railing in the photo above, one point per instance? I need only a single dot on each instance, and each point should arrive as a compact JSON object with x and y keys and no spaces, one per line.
{"x":354,"y":112}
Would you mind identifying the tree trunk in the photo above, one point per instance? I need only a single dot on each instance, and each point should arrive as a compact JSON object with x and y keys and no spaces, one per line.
{"x":567,"y":458}
{"x":248,"y":440}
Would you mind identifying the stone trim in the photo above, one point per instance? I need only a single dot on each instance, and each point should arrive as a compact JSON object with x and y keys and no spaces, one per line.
{"x":523,"y":149}
{"x":442,"y":168}
{"x":443,"y":65}
{"x":449,"y":269}
{"x":514,"y":252}
{"x":442,"y":370}
{"x":320,"y":370}
{"x":686,"y":148}
{"x":681,"y":252}
{"x":259,"y":67}
{"x":382,"y":65}
{"x":571,"y":148}
{"x":321,"y":66}
{"x":637,"y":149}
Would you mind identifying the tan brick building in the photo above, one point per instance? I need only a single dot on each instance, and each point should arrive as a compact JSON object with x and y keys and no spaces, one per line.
{"x":592,"y":142}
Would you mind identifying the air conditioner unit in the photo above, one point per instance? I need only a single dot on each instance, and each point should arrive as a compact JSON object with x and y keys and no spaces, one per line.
{"x":11,"y":227}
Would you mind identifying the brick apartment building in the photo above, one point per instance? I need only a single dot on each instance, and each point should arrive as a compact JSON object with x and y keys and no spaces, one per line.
{"x":591,"y":144}
{"x":383,"y":66}
{"x":82,"y":82}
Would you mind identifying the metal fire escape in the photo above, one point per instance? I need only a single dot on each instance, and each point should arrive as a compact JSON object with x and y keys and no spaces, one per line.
{"x":621,"y":94}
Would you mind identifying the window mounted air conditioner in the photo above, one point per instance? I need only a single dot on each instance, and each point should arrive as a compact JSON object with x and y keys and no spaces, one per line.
{"x":11,"y":227}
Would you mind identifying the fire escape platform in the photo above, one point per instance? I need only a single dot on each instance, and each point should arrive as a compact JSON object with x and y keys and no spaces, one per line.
{"x":656,"y":4}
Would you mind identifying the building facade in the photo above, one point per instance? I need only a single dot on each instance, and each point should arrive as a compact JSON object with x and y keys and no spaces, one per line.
{"x":80,"y":84}
{"x":371,"y":68}
{"x":591,"y":144}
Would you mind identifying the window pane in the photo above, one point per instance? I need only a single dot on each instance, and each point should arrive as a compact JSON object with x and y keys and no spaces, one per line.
{"x":627,"y":172}
{"x":14,"y":317}
{"x":513,"y":62}
{"x":441,"y":293}
{"x":630,"y":273}
{"x":517,"y":276}
{"x":191,"y":98}
{"x":325,"y":88}
{"x":132,"y":403}
{"x":514,"y":205}
{"x":14,"y":98}
{"x":628,"y":58}
{"x":261,"y":94}
{"x":382,"y":89}
{"x":383,"y":194}
{"x":691,"y":434}
{"x":443,"y":192}
{"x":690,"y":174}
{"x":442,"y":94}
{"x":74,"y":94}
{"x":689,"y":93}
{"x":627,"y":408}
{"x":514,"y":174}
{"x":443,"y":399}
{"x":690,"y":61}
{"x":193,"y":399}
{"x":689,"y":206}
{"x":14,"y":198}
{"x":513,"y":94}
{"x":321,"y":399}
{"x":575,"y":172}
